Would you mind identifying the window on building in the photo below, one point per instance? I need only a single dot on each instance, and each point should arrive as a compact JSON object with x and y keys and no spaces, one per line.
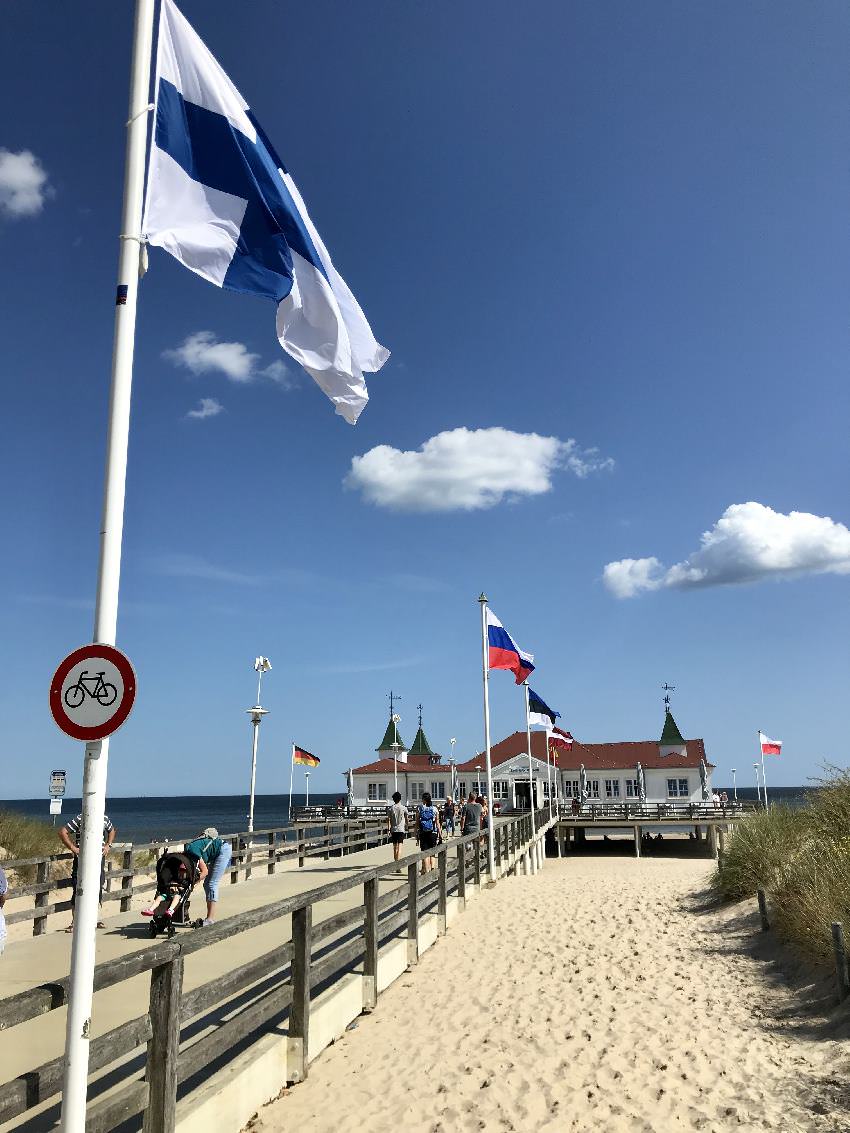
{"x":501,"y":787}
{"x":571,"y":789}
{"x":462,"y":788}
{"x":438,"y":789}
{"x":612,"y":788}
{"x":545,"y":789}
{"x":677,"y":789}
{"x":376,"y":792}
{"x":416,"y":790}
{"x":632,"y":789}
{"x":593,"y":788}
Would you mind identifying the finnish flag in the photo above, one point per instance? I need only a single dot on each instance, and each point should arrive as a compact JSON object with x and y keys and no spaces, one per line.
{"x":220,"y":200}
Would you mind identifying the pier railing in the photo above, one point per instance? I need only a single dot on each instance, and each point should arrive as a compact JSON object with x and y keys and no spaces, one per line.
{"x":262,"y":850}
{"x":258,"y":996}
{"x":595,"y":810}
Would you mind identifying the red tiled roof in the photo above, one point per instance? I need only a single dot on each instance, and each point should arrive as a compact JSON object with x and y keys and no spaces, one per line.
{"x":595,"y":757}
{"x":414,"y":763}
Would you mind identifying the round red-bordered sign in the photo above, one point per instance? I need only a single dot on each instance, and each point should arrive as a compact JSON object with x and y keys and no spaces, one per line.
{"x":92,"y":692}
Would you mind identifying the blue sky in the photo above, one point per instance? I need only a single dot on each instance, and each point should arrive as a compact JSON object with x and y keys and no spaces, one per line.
{"x":621,"y":225}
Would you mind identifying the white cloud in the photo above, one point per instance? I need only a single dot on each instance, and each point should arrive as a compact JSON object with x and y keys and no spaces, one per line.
{"x":207,"y":407}
{"x":748,"y":543}
{"x":279,"y":373}
{"x":178,"y":564}
{"x":201,"y":353}
{"x":466,"y":469}
{"x":23,"y":184}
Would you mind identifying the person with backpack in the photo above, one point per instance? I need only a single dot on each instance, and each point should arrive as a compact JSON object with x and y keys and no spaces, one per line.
{"x":397,"y":824}
{"x":430,"y":832}
{"x":215,"y":853}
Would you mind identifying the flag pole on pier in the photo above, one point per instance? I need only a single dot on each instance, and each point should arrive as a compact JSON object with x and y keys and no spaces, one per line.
{"x":81,"y":980}
{"x":530,"y":762}
{"x":485,"y":659}
{"x":291,"y":777}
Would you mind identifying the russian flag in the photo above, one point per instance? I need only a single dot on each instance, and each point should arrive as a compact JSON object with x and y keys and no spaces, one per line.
{"x":769,"y":746}
{"x":504,"y":653}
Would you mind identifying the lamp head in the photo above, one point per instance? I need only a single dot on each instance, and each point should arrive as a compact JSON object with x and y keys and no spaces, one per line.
{"x":262,"y":665}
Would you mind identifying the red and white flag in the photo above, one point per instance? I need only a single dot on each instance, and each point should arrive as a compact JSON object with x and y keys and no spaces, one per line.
{"x":769,"y":746}
{"x":559,"y":739}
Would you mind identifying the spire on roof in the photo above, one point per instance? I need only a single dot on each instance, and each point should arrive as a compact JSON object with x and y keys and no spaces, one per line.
{"x":670,"y":733}
{"x":391,"y":736}
{"x":420,"y":744}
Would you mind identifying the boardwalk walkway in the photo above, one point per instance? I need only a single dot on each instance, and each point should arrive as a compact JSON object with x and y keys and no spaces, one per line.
{"x":36,"y":960}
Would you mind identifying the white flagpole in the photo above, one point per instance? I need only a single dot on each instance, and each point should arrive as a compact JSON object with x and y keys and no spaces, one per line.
{"x":530,"y":763}
{"x":485,"y":658}
{"x":307,"y":788}
{"x":758,"y":784}
{"x":81,"y":982}
{"x":291,"y":776}
{"x":763,"y":780}
{"x":549,"y":771}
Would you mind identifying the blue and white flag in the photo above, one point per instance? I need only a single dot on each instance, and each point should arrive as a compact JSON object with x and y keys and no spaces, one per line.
{"x":539,"y":711}
{"x":220,"y":200}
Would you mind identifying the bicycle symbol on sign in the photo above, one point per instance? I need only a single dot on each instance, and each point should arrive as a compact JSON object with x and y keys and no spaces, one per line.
{"x":102,"y":691}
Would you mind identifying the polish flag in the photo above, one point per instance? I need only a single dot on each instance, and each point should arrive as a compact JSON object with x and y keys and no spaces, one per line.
{"x":769,"y":746}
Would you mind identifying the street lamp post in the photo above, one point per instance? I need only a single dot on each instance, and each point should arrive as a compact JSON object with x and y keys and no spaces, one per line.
{"x":307,"y":793}
{"x":734,"y":785}
{"x":261,"y":665}
{"x":396,"y":746}
{"x":758,"y":784}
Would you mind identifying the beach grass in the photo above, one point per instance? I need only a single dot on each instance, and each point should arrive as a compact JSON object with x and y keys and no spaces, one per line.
{"x":801,"y":858}
{"x":22,"y":837}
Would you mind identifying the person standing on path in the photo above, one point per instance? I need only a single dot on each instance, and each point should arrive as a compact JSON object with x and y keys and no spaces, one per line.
{"x":397,"y":824}
{"x":472,"y":812}
{"x":72,"y":831}
{"x":449,"y":816}
{"x":4,"y":886}
{"x":429,"y":829}
{"x":215,"y":853}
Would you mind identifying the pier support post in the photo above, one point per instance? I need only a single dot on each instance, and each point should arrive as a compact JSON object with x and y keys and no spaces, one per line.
{"x":370,"y":957}
{"x":297,"y":1044}
{"x":42,"y":877}
{"x":712,"y":840}
{"x":638,"y":836}
{"x":127,"y":863}
{"x":161,"y":1063}
{"x":840,"y":953}
{"x":413,"y":914}
{"x":558,"y":841}
{"x":721,"y":845}
{"x":698,"y":832}
{"x":442,"y":891}
{"x":461,"y":876}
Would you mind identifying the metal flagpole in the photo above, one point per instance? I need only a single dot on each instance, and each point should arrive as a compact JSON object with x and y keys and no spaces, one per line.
{"x":307,"y":782}
{"x":763,"y":780}
{"x":549,"y":772}
{"x":291,"y":774}
{"x":491,"y":847}
{"x":530,"y":763}
{"x":81,"y":981}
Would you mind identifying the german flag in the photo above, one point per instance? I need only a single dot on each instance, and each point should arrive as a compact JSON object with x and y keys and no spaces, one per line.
{"x":299,"y":755}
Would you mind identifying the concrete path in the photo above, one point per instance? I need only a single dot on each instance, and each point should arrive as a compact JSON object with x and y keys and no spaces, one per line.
{"x":28,"y":963}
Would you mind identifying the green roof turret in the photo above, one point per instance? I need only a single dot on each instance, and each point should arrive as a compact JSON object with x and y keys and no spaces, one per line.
{"x":670,"y":733}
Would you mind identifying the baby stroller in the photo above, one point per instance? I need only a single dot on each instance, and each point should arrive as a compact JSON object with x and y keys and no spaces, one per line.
{"x":176,"y":875}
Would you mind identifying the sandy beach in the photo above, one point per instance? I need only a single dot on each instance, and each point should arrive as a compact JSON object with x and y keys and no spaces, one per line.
{"x":633,"y":1006}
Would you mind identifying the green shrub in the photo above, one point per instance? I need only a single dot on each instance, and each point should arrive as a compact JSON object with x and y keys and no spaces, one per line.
{"x":23,"y":837}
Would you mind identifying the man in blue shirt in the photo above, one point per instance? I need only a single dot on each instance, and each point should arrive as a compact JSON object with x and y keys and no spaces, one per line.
{"x":215,"y":853}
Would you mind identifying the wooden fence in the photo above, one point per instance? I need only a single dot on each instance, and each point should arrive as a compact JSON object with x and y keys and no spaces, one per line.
{"x":263,"y":850}
{"x":315,"y":955}
{"x":593,"y":811}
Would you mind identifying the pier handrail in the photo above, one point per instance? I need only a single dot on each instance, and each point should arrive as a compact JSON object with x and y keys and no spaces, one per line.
{"x":262,"y":848}
{"x":593,"y":810}
{"x":316,"y":954}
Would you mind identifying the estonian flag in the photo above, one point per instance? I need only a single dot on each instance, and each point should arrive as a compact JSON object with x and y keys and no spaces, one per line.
{"x":539,"y":711}
{"x":220,"y":200}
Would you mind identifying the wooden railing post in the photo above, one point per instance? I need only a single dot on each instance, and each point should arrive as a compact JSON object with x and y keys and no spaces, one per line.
{"x":413,"y":913}
{"x":42,"y":877}
{"x":327,"y":840}
{"x":461,"y":875}
{"x":762,"y":899}
{"x":476,"y":863}
{"x":163,"y":1046}
{"x":234,"y":872}
{"x":272,"y":859}
{"x":370,"y":957}
{"x":249,"y":857}
{"x":442,"y":889}
{"x":299,"y":1011}
{"x":840,"y":953}
{"x":127,"y":863}
{"x":300,"y":836}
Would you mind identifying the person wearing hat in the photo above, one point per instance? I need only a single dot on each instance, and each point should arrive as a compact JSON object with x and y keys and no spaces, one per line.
{"x":215,"y":853}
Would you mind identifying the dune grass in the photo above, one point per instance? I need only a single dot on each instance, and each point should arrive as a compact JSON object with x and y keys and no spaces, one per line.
{"x":801,"y":858}
{"x":23,"y":837}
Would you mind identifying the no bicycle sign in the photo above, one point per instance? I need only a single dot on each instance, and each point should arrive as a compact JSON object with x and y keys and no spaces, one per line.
{"x":92,"y":692}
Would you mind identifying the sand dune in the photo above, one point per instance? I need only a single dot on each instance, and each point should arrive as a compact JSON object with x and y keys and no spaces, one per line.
{"x":630,"y":1008}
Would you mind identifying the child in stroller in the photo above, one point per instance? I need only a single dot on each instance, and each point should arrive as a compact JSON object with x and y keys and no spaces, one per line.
{"x":176,"y":875}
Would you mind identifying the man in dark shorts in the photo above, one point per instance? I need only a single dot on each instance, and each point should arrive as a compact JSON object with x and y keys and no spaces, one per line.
{"x":397,"y":824}
{"x":430,"y":832}
{"x":70,"y":836}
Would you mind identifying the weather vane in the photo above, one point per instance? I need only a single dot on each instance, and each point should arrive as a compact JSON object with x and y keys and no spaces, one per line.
{"x":419,"y":710}
{"x":667,"y":690}
{"x":393,"y":698}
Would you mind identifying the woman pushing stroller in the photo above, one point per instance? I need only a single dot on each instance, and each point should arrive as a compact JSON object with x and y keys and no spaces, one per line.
{"x":176,"y":875}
